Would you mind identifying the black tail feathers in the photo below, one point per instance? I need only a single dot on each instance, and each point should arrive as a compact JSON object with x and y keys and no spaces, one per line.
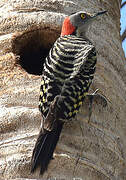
{"x":45,"y":146}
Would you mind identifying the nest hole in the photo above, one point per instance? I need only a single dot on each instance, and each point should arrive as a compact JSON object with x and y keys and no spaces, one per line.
{"x":32,"y":47}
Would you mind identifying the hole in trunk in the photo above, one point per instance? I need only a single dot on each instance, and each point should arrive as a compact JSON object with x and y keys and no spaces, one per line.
{"x":32,"y":47}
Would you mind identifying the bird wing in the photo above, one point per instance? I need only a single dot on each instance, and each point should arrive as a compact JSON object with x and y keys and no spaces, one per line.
{"x":75,"y":89}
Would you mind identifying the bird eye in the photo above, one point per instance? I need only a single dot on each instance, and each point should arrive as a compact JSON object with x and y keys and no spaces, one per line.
{"x":82,"y":16}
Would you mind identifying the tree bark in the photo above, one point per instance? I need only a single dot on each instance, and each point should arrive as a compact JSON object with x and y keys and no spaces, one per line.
{"x":94,"y":149}
{"x":123,"y":35}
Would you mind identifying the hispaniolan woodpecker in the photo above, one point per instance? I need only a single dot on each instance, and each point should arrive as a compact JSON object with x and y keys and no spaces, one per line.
{"x":67,"y":75}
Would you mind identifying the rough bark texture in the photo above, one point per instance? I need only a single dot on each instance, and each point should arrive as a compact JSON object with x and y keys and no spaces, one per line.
{"x":86,"y":150}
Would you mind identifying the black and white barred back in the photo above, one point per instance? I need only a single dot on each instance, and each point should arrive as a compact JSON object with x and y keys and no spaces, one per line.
{"x":68,"y":71}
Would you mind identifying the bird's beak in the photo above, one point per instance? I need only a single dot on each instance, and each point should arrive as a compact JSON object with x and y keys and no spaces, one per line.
{"x":98,"y":14}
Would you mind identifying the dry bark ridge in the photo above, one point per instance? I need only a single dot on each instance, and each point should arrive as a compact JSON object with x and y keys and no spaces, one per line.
{"x":95,"y":150}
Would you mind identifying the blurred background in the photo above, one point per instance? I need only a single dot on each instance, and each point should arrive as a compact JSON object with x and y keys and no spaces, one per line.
{"x":123,"y":25}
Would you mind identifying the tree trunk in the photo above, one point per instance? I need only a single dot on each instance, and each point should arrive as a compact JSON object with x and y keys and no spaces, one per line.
{"x":94,"y":149}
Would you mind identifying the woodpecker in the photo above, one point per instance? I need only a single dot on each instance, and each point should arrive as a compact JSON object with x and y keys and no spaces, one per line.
{"x":67,"y":75}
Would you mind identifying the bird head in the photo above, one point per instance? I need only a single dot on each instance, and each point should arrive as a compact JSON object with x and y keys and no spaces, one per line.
{"x":74,"y":23}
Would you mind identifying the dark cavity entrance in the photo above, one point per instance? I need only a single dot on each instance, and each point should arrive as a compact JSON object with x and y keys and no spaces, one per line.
{"x":32,"y":47}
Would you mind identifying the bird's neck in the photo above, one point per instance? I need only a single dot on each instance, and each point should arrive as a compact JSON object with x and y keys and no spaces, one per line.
{"x":81,"y":32}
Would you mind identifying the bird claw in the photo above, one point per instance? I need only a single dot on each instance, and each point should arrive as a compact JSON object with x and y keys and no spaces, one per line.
{"x":98,"y":98}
